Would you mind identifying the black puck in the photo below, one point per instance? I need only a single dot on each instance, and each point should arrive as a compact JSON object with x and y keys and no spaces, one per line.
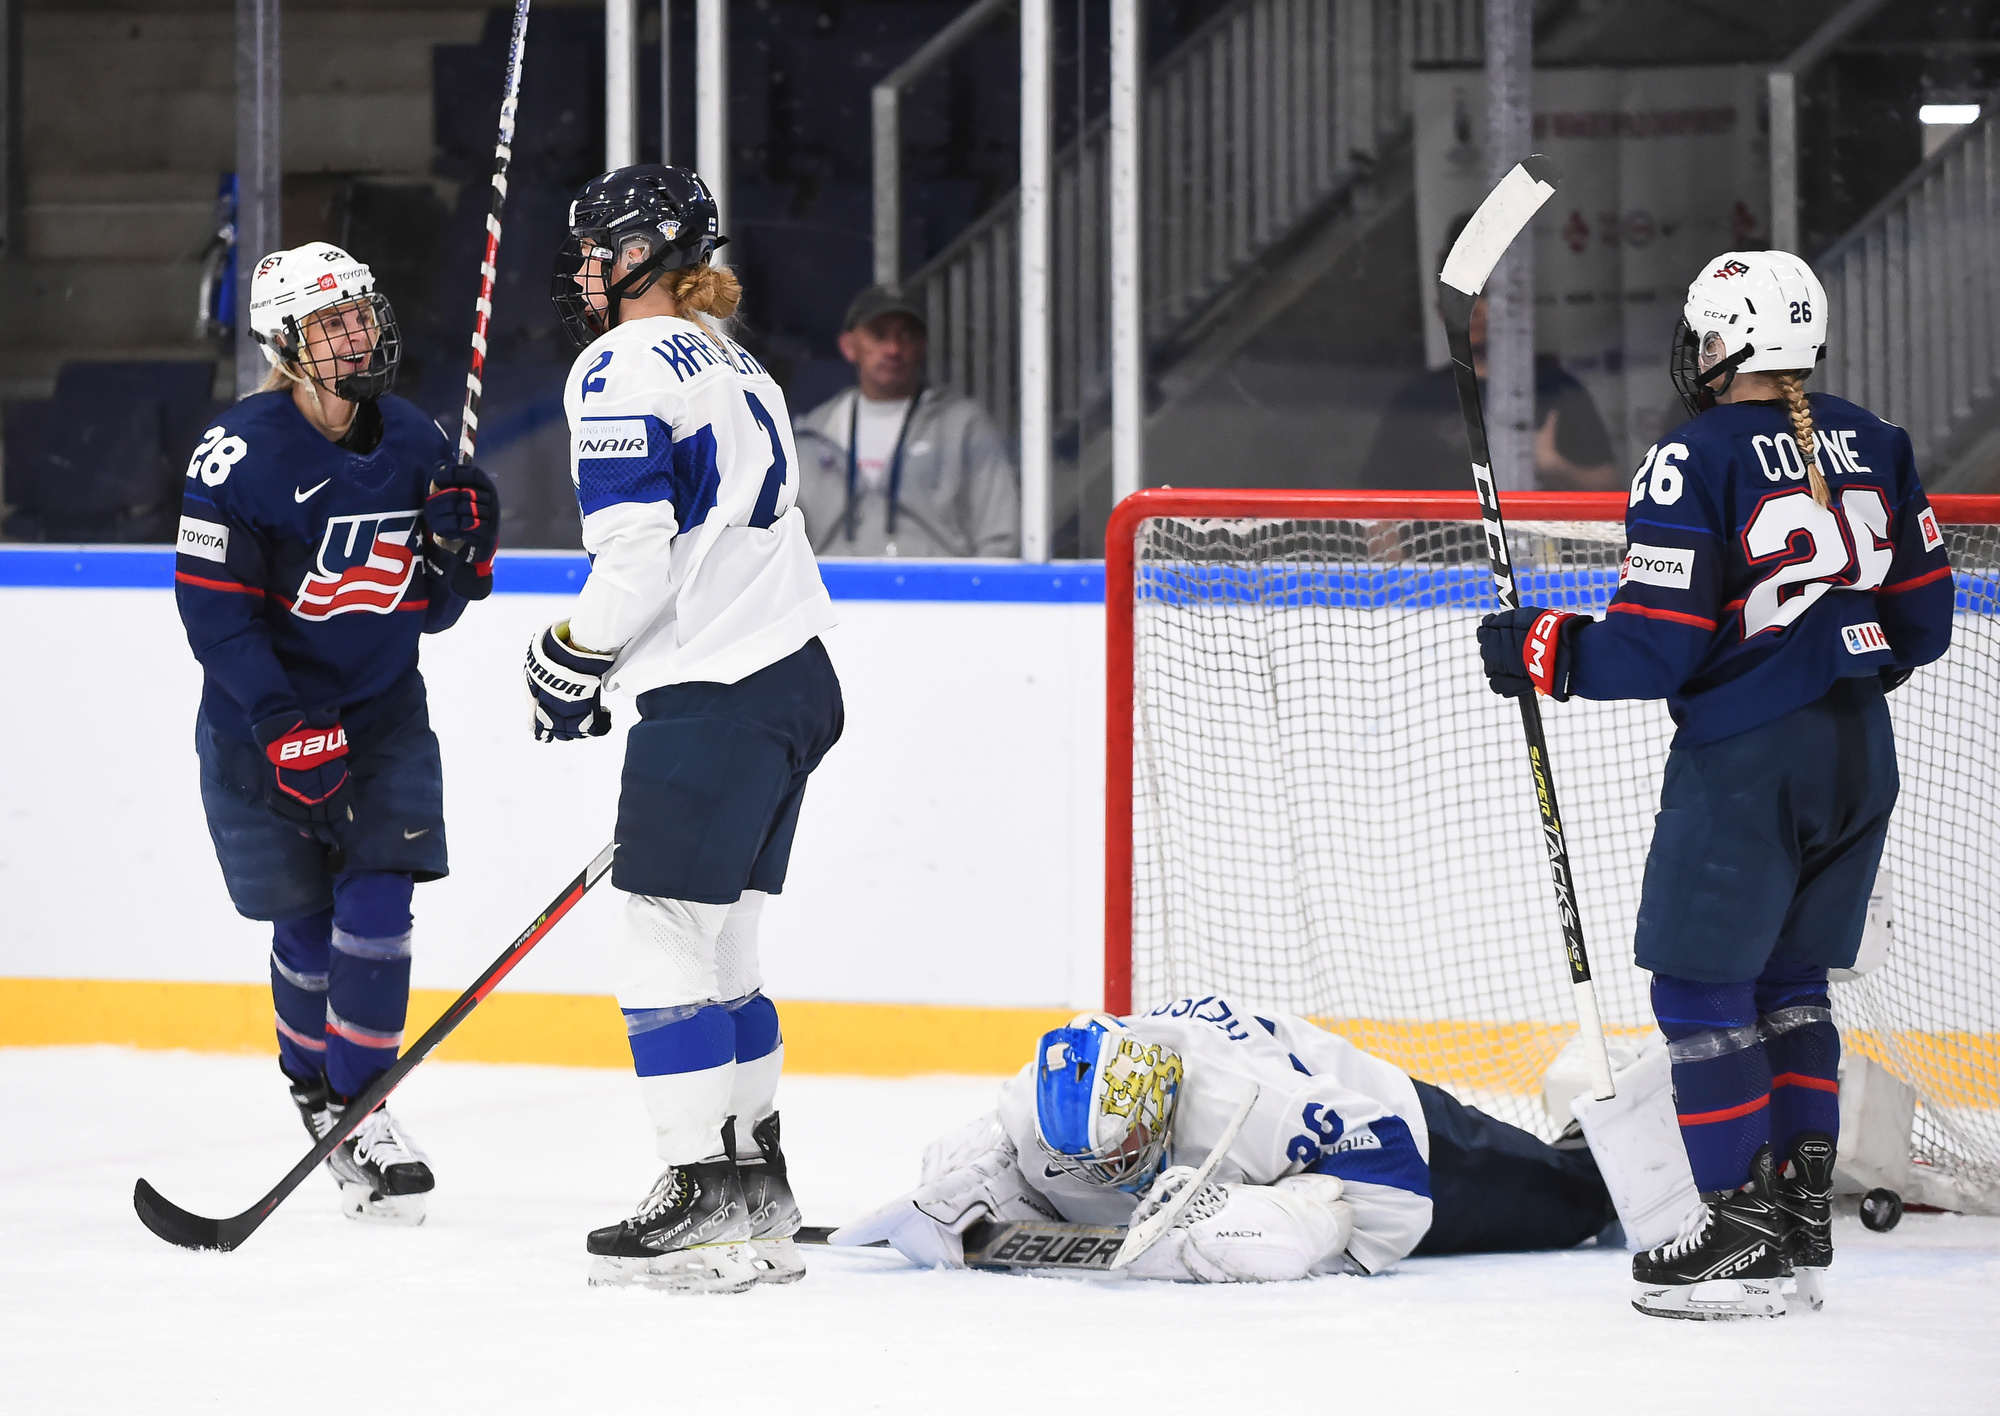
{"x":1881,"y":1210}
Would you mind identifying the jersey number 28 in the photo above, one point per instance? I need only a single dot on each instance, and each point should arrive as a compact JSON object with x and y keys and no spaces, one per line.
{"x":1815,"y":548}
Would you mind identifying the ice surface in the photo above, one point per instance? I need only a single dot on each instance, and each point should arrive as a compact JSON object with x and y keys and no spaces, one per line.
{"x":485,"y":1309}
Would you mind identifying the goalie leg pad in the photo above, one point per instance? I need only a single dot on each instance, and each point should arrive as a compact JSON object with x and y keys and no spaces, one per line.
{"x":1253,"y":1233}
{"x":1636,"y":1140}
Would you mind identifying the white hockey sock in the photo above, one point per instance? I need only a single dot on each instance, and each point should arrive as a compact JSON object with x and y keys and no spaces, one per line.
{"x":687,"y":1109}
{"x":753,"y":1092}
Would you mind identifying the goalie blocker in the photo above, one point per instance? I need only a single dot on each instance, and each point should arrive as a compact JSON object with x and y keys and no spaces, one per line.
{"x":1343,"y":1162}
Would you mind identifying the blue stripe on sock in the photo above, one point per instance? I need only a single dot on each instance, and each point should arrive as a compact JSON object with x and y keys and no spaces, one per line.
{"x":693,"y":1044}
{"x":757,"y":1034}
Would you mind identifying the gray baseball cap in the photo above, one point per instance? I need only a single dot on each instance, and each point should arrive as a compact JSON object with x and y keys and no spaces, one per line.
{"x":879,"y":300}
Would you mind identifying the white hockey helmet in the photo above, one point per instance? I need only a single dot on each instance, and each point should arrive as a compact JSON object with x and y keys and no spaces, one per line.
{"x":1104,"y":1101}
{"x":354,"y":346}
{"x":1746,"y":312}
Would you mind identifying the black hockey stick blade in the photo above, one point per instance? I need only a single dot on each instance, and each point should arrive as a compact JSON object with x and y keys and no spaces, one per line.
{"x":193,"y":1231}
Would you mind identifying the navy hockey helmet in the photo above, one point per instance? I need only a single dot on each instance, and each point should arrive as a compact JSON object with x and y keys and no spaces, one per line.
{"x":666,"y":216}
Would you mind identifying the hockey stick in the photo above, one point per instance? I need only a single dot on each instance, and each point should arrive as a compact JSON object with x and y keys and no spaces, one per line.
{"x":1500,"y":218}
{"x":482,"y":313}
{"x":192,"y":1231}
{"x":1148,"y":1232}
{"x":1025,"y":1244}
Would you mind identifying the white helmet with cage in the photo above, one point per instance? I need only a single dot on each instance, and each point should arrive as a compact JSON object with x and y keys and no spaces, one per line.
{"x":317,"y":306}
{"x":1748,"y":311}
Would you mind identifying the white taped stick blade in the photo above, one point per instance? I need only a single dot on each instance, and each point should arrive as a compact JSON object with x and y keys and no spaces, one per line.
{"x":1636,"y":1140}
{"x":1507,"y":209}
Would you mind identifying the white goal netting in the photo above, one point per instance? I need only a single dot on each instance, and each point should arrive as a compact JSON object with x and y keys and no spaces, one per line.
{"x":1333,"y":815}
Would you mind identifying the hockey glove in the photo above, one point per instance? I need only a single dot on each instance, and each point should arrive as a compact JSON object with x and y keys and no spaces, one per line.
{"x":1893,"y":679}
{"x":308,"y":758}
{"x":1530,"y":648}
{"x":462,"y":514}
{"x":566,"y":687}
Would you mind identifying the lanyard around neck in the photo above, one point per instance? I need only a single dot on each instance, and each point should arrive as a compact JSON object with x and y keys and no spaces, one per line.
{"x":895,"y":460}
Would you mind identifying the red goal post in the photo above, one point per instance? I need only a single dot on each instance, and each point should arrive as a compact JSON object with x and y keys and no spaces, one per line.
{"x":1200,"y":583}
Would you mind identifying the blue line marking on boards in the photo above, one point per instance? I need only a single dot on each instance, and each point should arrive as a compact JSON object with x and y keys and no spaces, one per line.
{"x":563,"y":572}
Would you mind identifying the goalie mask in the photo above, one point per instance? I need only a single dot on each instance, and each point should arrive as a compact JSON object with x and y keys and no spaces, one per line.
{"x":1747,"y":312}
{"x":317,"y":307}
{"x":663,"y":218}
{"x":1104,"y":1102}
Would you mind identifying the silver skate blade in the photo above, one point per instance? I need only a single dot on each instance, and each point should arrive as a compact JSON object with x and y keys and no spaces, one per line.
{"x":1808,"y":1290}
{"x":1717,"y":1300}
{"x":360,"y":1202}
{"x":705,"y":1268}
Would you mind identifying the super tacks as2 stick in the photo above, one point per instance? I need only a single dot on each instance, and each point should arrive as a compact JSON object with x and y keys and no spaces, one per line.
{"x":503,"y":158}
{"x":192,"y":1231}
{"x":1501,"y":217}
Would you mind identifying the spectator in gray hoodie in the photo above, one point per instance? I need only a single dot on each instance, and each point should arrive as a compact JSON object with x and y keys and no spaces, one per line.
{"x":892,"y":468}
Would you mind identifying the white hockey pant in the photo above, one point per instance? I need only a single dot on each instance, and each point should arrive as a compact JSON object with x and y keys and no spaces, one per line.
{"x":704,"y":1039}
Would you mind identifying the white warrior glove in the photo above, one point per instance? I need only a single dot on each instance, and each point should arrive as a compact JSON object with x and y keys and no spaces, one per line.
{"x":1246,"y":1233}
{"x":925,"y":1226}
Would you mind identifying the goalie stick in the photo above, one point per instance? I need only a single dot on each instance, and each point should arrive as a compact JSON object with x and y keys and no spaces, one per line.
{"x":1500,"y":218}
{"x":192,"y":1231}
{"x":1025,"y":1244}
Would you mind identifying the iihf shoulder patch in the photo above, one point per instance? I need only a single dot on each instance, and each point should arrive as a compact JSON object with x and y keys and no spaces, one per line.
{"x":1927,"y":523}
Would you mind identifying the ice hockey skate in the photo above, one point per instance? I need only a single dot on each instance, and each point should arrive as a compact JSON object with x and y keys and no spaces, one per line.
{"x":774,"y":1213}
{"x":1802,"y":1188}
{"x":691,"y":1235}
{"x":382,"y":1175}
{"x":1728,"y":1261}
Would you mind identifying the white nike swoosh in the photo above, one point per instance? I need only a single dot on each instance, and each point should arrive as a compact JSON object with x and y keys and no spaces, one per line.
{"x":299,"y":496}
{"x":412,"y":835}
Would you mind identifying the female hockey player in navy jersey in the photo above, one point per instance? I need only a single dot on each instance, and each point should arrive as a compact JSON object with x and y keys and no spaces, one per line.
{"x":1783,"y":571}
{"x":703,"y":609}
{"x":324,"y":528}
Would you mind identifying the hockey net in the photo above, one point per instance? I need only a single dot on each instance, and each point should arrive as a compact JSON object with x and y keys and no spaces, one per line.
{"x":1315,"y":803}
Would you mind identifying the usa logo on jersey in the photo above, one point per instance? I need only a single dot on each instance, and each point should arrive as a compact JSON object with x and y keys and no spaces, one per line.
{"x":365,"y":563}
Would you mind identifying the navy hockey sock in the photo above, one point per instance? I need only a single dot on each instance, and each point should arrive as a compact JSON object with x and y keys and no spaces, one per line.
{"x":1795,"y":1017}
{"x":298,"y":989}
{"x":1722,"y":1079}
{"x":368,"y":978}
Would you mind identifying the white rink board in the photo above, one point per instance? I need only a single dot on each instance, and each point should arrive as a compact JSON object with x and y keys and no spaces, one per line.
{"x":950,"y":850}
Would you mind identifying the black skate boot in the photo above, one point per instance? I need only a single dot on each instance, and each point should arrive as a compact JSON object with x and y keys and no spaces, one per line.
{"x":310,"y":1099}
{"x":1728,"y":1260}
{"x":691,"y":1234}
{"x":383,"y":1177}
{"x":1803,"y":1191}
{"x":774,"y":1214}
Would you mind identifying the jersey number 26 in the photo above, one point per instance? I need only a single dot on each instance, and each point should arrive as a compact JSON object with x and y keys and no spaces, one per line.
{"x":1813,"y":549}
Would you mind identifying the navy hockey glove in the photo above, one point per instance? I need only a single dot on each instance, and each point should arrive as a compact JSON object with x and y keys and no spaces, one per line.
{"x":566,"y":687}
{"x":308,"y":757}
{"x":1893,"y":679}
{"x":1529,"y":648}
{"x":462,"y":513}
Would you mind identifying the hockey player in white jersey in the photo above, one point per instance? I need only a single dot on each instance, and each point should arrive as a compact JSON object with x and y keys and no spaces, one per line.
{"x":1342,"y":1164}
{"x":701,"y":612}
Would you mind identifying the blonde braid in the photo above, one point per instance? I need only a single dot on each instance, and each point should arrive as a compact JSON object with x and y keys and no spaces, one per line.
{"x":707,"y":290}
{"x":1792,"y":388}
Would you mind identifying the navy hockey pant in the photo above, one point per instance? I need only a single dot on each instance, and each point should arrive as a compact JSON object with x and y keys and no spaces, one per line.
{"x":1497,"y":1189}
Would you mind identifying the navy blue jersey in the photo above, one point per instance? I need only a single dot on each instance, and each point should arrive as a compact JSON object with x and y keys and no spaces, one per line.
{"x":300,"y":570}
{"x":1741,"y":598}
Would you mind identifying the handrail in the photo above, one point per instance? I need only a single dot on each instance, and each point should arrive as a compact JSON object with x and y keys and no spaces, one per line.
{"x":1782,"y":83}
{"x":885,"y":101}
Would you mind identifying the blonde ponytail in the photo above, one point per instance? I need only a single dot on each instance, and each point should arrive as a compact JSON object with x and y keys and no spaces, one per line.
{"x":1792,"y":388}
{"x":706,"y":290}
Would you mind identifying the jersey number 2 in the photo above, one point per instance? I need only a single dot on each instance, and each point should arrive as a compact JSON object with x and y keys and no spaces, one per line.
{"x":1817,"y":548}
{"x":772,"y":501}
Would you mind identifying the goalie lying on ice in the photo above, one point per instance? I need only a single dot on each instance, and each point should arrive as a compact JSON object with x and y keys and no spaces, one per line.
{"x":1342,"y":1164}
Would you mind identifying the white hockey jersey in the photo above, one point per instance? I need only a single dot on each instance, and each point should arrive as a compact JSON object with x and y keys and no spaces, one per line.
{"x":1324,"y":1106}
{"x":681,"y":452}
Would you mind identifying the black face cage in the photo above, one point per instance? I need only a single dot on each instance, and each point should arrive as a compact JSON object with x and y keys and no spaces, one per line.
{"x":351,"y":378}
{"x":1698,"y":388}
{"x":587,"y":253}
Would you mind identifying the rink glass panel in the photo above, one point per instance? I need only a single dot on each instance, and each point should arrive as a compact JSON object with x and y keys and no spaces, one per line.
{"x":1332,"y":814}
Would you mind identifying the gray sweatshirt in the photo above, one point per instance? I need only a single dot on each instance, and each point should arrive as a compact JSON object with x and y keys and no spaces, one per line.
{"x":961,"y":494}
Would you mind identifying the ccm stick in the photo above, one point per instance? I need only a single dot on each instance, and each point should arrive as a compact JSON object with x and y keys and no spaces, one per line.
{"x":192,"y":1231}
{"x":1500,"y":218}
